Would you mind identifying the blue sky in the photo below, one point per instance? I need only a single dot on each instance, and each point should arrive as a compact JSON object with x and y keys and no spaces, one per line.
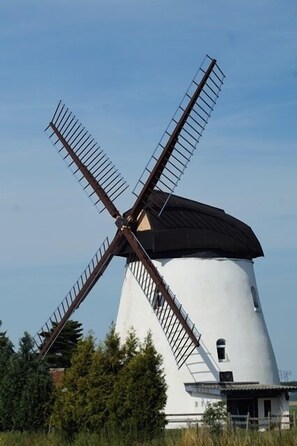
{"x":122,"y":68}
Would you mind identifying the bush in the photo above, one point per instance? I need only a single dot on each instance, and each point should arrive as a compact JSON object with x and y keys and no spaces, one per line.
{"x":215,"y":416}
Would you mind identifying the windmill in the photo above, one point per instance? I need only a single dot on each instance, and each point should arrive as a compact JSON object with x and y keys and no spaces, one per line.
{"x":175,"y":244}
{"x":104,"y":184}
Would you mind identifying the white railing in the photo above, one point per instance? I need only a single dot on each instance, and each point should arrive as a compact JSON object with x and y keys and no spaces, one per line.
{"x":285,"y":421}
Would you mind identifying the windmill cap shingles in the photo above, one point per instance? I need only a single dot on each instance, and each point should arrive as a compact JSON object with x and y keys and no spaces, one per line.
{"x":190,"y":228}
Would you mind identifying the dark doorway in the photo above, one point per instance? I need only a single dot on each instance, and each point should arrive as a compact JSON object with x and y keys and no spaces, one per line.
{"x":267,"y":408}
{"x":243,"y":407}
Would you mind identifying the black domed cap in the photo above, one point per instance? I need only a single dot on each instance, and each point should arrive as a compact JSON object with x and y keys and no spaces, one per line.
{"x":190,"y":228}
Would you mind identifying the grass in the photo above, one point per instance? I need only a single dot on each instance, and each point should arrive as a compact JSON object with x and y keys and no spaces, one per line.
{"x":186,"y":437}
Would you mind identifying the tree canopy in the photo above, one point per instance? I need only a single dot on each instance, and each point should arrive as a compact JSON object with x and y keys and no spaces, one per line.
{"x":117,"y":390}
{"x":113,"y":388}
{"x":59,"y":354}
{"x":25,"y":388}
{"x":139,"y":397}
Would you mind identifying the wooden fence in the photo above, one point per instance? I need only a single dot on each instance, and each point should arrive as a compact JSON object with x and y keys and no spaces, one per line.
{"x":285,"y":421}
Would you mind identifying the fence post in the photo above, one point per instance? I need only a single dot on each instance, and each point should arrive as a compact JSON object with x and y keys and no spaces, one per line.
{"x":229,"y":421}
{"x":269,"y":421}
{"x":247,"y":421}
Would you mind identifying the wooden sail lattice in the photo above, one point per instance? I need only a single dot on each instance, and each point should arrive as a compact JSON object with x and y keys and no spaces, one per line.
{"x":103,"y":184}
{"x":180,"y":342}
{"x":82,"y":154}
{"x":184,"y":131}
{"x":75,"y":296}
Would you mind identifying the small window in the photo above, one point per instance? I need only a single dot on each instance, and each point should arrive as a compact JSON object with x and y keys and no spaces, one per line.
{"x":221,"y":349}
{"x":226,"y":377}
{"x":255,"y":298}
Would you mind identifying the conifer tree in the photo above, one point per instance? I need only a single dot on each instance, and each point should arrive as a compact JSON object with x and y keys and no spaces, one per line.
{"x":140,"y":395}
{"x":25,"y":390}
{"x":131,"y":346}
{"x":87,"y":386}
{"x":5,"y":344}
{"x":6,"y":351}
{"x":107,"y":364}
{"x":71,"y":408}
{"x":112,"y":389}
{"x":59,"y":354}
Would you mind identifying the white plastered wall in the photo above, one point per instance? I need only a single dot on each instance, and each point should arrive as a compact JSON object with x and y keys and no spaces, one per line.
{"x":216,"y":293}
{"x":279,"y":411}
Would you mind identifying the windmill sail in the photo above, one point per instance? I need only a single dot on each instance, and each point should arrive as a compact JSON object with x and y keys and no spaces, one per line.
{"x":104,"y":184}
{"x":91,"y":166}
{"x":171,"y":157}
{"x":181,"y":344}
{"x":179,"y":330}
{"x":75,"y":297}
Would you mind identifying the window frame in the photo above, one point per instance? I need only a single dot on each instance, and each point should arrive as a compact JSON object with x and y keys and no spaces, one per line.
{"x":221,"y":349}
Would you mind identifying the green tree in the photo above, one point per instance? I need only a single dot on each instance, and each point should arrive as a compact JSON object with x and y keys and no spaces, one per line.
{"x":59,"y":355}
{"x":108,"y":362}
{"x":112,"y":389}
{"x":131,"y":346}
{"x":82,"y":400}
{"x":5,"y":343}
{"x":137,"y":406}
{"x":25,"y":390}
{"x":6,"y":350}
{"x":70,"y":411}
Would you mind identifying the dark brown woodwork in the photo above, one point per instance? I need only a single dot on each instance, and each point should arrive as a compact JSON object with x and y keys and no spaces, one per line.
{"x":82,"y":294}
{"x":100,"y":192}
{"x":104,"y":181}
{"x":168,"y":149}
{"x":159,"y":282}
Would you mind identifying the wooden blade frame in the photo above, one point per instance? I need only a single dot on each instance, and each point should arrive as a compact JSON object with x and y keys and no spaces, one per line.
{"x":79,"y":150}
{"x":54,"y":325}
{"x":172,"y":318}
{"x":93,"y":169}
{"x":181,"y":137}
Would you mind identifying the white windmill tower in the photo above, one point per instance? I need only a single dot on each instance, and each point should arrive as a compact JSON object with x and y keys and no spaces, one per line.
{"x":212,"y":337}
{"x":207,"y":257}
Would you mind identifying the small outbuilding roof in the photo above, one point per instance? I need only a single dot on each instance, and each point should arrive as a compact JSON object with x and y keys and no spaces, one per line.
{"x":239,"y":388}
{"x":188,"y":228}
